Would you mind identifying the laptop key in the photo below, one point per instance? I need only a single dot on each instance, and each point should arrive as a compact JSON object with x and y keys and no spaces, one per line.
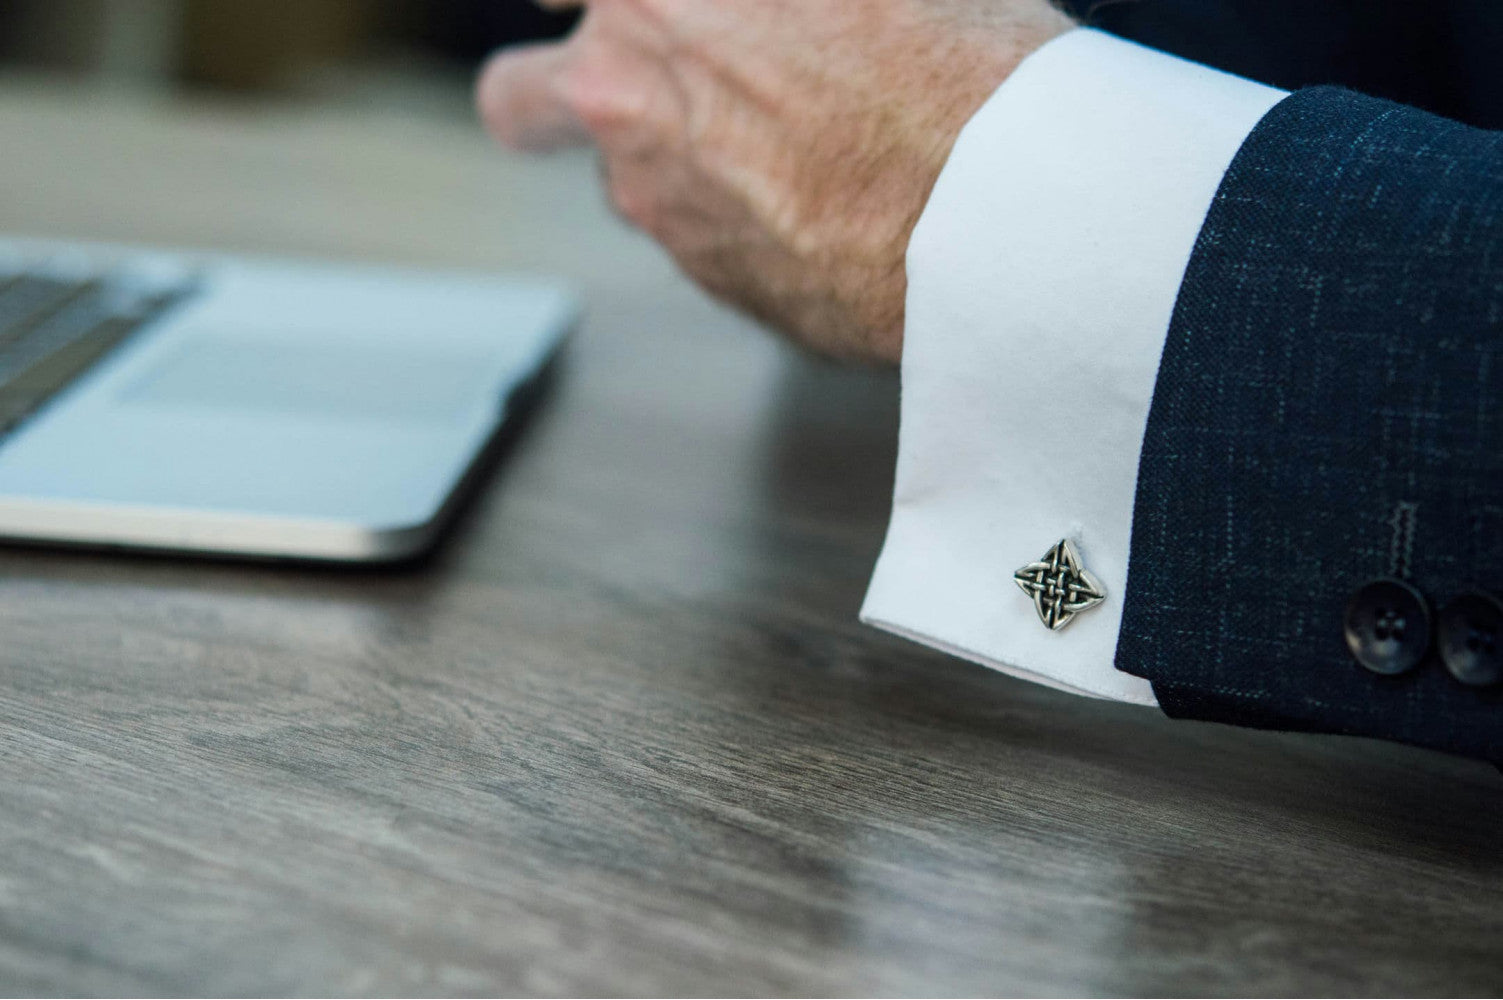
{"x":49,"y":372}
{"x":51,"y":350}
{"x":32,"y":299}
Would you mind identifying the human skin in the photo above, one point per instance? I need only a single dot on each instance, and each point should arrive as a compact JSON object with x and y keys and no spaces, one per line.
{"x":780,"y":150}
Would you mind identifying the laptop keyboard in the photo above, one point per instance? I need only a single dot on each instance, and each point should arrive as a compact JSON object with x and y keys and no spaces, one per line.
{"x":58,"y":316}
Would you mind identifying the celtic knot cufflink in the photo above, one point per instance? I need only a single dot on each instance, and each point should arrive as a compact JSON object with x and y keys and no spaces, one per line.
{"x":1060,"y":586}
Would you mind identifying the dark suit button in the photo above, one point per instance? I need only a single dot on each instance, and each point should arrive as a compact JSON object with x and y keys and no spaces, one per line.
{"x":1471,"y":639}
{"x":1388,"y":626}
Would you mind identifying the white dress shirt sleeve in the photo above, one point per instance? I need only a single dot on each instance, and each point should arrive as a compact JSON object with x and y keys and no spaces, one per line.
{"x":1042,"y":276}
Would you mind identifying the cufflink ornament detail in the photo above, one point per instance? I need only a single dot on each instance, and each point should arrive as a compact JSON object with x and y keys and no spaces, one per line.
{"x":1060,"y":586}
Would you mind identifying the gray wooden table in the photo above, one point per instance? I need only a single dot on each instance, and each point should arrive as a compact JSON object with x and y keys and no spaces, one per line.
{"x":623,"y":734}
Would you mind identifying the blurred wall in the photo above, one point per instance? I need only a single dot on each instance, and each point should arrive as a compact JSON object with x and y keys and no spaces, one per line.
{"x":119,"y":37}
{"x":253,"y":44}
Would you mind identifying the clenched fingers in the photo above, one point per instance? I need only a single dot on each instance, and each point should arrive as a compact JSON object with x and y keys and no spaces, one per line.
{"x":522,"y":100}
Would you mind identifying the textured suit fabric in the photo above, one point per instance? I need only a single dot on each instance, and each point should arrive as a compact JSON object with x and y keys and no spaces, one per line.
{"x":1439,"y":55}
{"x":1329,"y":409}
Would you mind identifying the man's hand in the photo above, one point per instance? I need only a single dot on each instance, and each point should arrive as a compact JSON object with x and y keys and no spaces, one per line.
{"x":781,"y":150}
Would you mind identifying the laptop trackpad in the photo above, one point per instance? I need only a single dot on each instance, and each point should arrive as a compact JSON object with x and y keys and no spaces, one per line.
{"x":348,"y":380}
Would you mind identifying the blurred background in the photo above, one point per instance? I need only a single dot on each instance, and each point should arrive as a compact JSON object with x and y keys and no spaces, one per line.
{"x":328,"y":49}
{"x":340,"y":129}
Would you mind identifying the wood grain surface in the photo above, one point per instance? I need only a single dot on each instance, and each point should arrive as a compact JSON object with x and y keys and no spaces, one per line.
{"x":623,"y":733}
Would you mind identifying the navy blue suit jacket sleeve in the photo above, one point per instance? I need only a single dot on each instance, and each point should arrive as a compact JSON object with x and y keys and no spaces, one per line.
{"x":1329,"y":410}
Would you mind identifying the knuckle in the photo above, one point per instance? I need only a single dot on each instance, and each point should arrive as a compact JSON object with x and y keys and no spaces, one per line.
{"x":655,"y":9}
{"x":602,"y":103}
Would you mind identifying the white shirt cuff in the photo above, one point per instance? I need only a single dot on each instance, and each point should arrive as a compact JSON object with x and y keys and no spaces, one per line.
{"x":1041,"y":281}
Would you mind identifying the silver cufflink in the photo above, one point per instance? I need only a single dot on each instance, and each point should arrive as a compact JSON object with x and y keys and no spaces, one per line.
{"x":1060,"y":586}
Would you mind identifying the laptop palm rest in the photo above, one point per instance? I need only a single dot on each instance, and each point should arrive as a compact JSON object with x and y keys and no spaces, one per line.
{"x":381,"y":384}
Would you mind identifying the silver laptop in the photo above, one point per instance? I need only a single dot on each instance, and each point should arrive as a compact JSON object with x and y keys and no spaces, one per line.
{"x":253,"y":408}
